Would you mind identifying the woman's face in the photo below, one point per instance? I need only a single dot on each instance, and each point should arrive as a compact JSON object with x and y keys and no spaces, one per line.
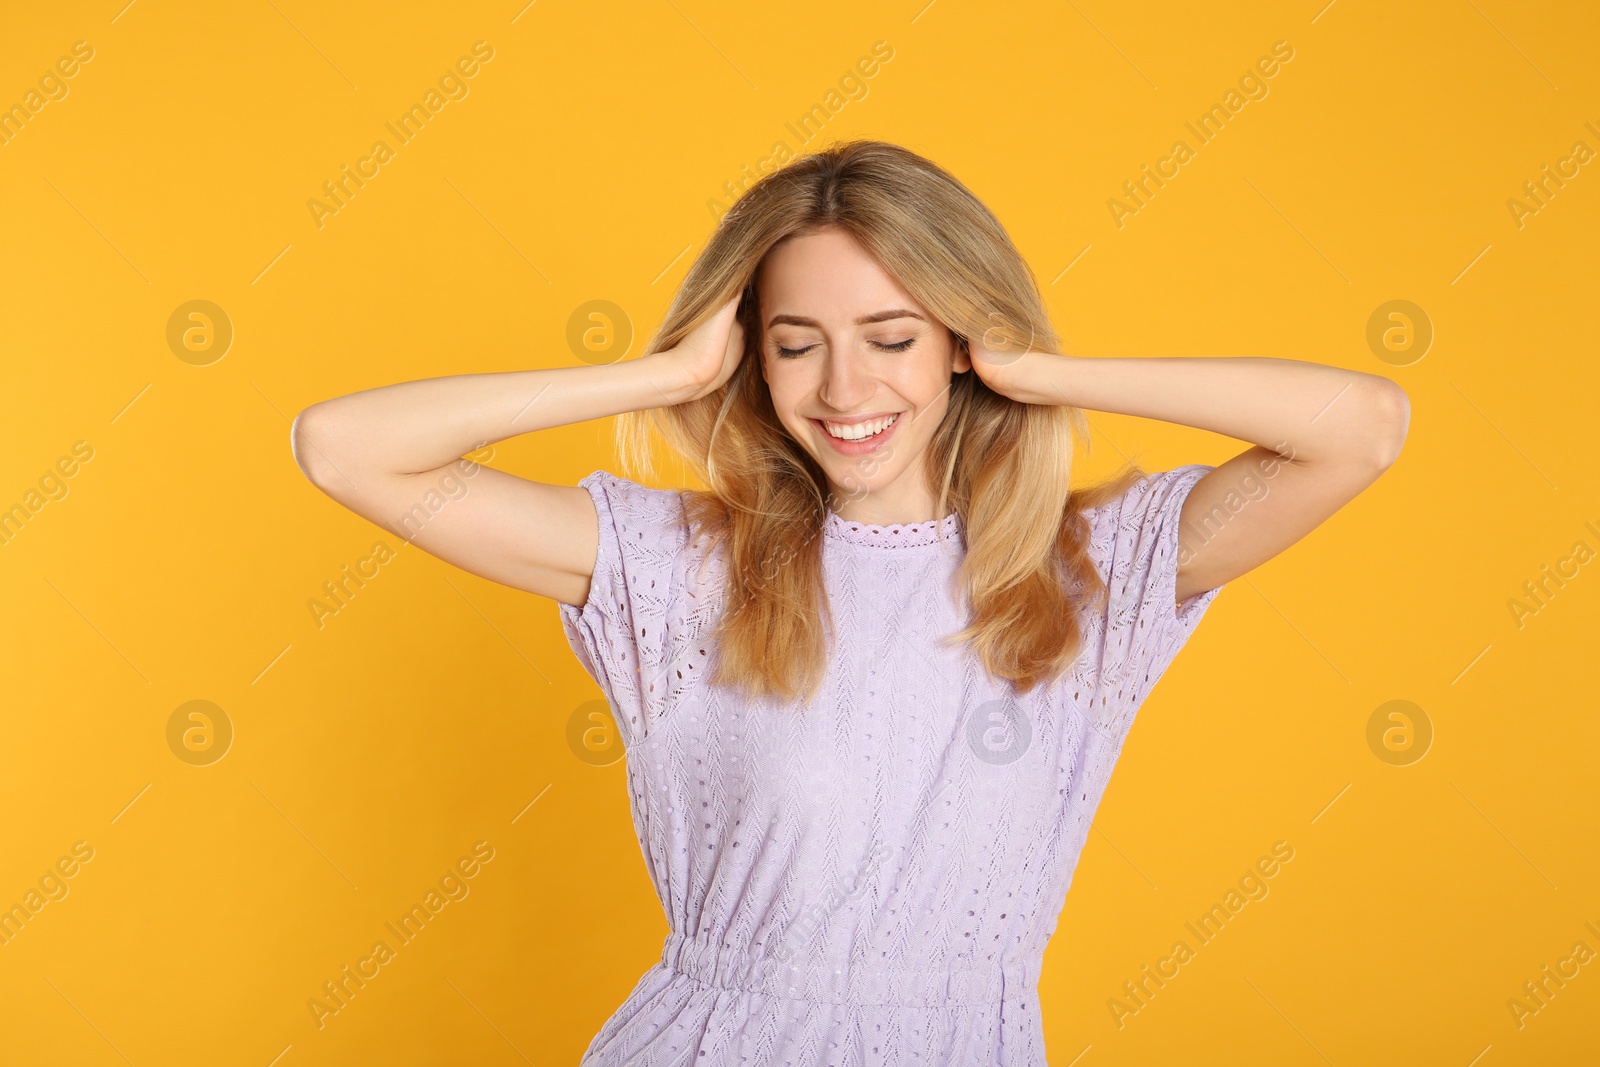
{"x":843,"y":345}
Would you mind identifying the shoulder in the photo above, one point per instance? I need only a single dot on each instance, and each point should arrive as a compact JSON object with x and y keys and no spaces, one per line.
{"x":631,"y":494}
{"x":1151,"y":506}
{"x":650,"y":533}
{"x":636,"y":512}
{"x":641,"y":629}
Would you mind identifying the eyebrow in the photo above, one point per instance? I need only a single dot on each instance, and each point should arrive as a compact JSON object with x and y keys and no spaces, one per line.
{"x":864,"y":320}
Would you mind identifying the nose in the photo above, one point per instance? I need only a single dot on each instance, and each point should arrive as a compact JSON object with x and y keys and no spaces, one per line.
{"x":845,"y":382}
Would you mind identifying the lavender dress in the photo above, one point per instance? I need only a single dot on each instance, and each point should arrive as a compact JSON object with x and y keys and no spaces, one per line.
{"x":870,"y":879}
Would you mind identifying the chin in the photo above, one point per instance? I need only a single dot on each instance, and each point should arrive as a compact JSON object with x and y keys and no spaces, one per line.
{"x":860,"y":476}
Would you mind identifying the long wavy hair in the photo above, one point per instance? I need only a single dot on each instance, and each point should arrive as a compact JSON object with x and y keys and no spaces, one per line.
{"x":1002,"y":466}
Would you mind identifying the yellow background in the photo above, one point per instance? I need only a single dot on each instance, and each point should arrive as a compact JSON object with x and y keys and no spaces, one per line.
{"x":372,"y":753}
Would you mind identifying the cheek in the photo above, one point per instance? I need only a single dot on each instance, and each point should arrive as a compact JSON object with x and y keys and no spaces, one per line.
{"x":778,"y":387}
{"x":786,"y":392}
{"x":788,"y":381}
{"x":925,"y":385}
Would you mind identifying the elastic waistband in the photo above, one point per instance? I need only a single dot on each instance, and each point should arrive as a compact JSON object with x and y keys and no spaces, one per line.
{"x":707,"y":961}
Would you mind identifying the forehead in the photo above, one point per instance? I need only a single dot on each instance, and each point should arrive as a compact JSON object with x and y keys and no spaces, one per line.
{"x":827,"y":276}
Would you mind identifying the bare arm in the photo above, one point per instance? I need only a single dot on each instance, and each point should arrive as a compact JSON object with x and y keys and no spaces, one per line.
{"x":1321,"y":436}
{"x":393,"y":455}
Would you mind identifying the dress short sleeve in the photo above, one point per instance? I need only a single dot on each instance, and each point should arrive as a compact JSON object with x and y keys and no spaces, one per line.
{"x":640,"y":633}
{"x":1134,"y":539}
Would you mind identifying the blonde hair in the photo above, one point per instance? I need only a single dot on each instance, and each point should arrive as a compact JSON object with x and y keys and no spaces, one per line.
{"x":1003,"y":466}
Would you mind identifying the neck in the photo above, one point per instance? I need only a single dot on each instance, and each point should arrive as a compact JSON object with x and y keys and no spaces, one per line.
{"x":901,"y":502}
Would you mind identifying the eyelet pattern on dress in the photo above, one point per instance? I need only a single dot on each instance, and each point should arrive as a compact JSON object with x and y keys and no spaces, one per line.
{"x":897,"y":535}
{"x":870,"y":878}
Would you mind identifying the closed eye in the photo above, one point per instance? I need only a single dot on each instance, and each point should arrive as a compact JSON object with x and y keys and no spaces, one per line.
{"x":898,"y":346}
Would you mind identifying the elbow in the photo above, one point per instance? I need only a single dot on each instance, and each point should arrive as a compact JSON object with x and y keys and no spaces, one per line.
{"x":1391,"y":419}
{"x":308,"y":442}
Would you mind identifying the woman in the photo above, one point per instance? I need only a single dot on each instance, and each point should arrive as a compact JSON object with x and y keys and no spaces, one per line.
{"x":872,"y":683}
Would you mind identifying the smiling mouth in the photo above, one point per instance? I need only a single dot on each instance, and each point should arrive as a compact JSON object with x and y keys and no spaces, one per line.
{"x":862,"y":430}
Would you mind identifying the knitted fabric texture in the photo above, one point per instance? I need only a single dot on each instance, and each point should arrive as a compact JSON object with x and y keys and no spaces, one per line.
{"x":871,"y":878}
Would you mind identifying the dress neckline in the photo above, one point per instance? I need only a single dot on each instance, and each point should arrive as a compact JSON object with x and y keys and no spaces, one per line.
{"x":895,"y":535}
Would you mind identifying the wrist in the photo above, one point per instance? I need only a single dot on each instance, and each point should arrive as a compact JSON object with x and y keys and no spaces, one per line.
{"x":1053,"y":378}
{"x":1034,"y":378}
{"x":668,"y":381}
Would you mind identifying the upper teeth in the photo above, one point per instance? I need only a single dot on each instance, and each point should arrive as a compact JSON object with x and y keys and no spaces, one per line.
{"x":860,"y":430}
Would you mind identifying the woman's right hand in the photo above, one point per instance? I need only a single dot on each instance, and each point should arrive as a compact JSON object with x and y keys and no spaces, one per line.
{"x":708,"y":355}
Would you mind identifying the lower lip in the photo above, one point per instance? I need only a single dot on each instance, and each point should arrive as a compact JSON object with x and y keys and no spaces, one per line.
{"x":862,"y":447}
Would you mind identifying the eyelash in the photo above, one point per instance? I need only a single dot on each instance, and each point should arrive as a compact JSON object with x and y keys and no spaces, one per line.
{"x":898,"y":346}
